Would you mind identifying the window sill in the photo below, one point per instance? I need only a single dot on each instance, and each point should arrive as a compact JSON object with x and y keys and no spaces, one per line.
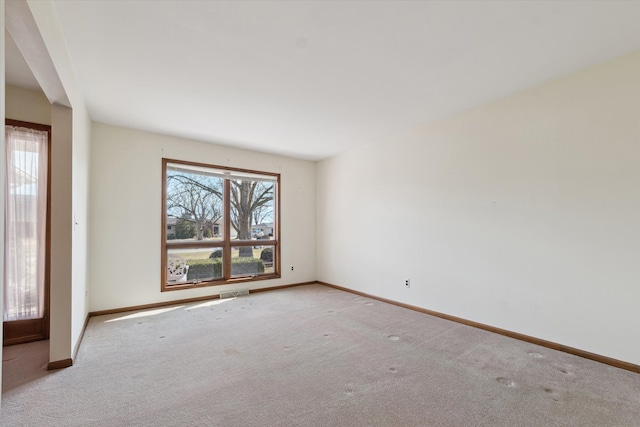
{"x":203,"y":284}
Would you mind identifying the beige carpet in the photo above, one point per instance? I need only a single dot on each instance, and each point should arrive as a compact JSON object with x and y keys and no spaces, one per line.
{"x":311,"y":356}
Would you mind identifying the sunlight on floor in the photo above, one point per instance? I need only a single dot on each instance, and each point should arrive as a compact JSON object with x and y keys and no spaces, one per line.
{"x":145,"y":313}
{"x":157,"y":311}
{"x":210,"y":303}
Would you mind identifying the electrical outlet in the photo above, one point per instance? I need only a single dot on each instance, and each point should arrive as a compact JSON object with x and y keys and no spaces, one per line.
{"x":407,"y":283}
{"x":292,"y":268}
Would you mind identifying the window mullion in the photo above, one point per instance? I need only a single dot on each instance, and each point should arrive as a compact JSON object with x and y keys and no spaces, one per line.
{"x":226,"y":258}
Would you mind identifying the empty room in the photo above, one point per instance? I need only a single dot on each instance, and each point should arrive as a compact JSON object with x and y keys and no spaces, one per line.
{"x":312,"y":213}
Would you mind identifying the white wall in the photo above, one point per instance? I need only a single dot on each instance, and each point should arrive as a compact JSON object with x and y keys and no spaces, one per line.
{"x":27,"y":105}
{"x":522,"y":214}
{"x":80,"y":158}
{"x":60,"y":347}
{"x":125,"y":234}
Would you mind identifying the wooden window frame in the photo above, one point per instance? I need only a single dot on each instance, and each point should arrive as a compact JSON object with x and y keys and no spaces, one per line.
{"x":226,"y":243}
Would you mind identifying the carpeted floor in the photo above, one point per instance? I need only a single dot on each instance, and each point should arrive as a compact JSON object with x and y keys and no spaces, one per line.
{"x":309,"y":356}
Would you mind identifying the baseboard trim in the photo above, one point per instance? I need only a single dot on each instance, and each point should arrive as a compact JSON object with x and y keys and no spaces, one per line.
{"x":23,"y":340}
{"x":185,"y":301}
{"x":59,"y":364}
{"x":533,"y":340}
{"x":275,"y":288}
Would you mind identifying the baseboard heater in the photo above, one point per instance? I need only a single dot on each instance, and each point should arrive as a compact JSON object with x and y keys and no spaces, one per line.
{"x":234,"y":293}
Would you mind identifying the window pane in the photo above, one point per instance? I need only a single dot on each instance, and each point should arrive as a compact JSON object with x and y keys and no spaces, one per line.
{"x":252,"y":209}
{"x":268,"y":256}
{"x":252,"y":260}
{"x":194,"y":265}
{"x":194,"y":205}
{"x":25,"y":225}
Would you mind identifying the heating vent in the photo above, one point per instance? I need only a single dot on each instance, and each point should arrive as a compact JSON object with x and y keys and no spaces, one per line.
{"x":233,"y":294}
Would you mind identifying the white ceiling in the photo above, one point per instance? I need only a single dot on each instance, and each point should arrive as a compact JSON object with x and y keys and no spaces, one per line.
{"x":312,"y":79}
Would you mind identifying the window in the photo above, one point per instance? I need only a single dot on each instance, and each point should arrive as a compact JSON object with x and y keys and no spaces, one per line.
{"x":215,"y":224}
{"x":27,"y":232}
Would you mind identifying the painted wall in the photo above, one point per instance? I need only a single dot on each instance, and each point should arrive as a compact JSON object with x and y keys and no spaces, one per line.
{"x":27,"y":105}
{"x":80,"y":158}
{"x":125,"y":215}
{"x":61,"y":238}
{"x":522,"y":214}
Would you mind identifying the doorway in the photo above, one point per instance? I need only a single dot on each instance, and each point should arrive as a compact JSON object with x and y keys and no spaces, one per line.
{"x":27,"y":232}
